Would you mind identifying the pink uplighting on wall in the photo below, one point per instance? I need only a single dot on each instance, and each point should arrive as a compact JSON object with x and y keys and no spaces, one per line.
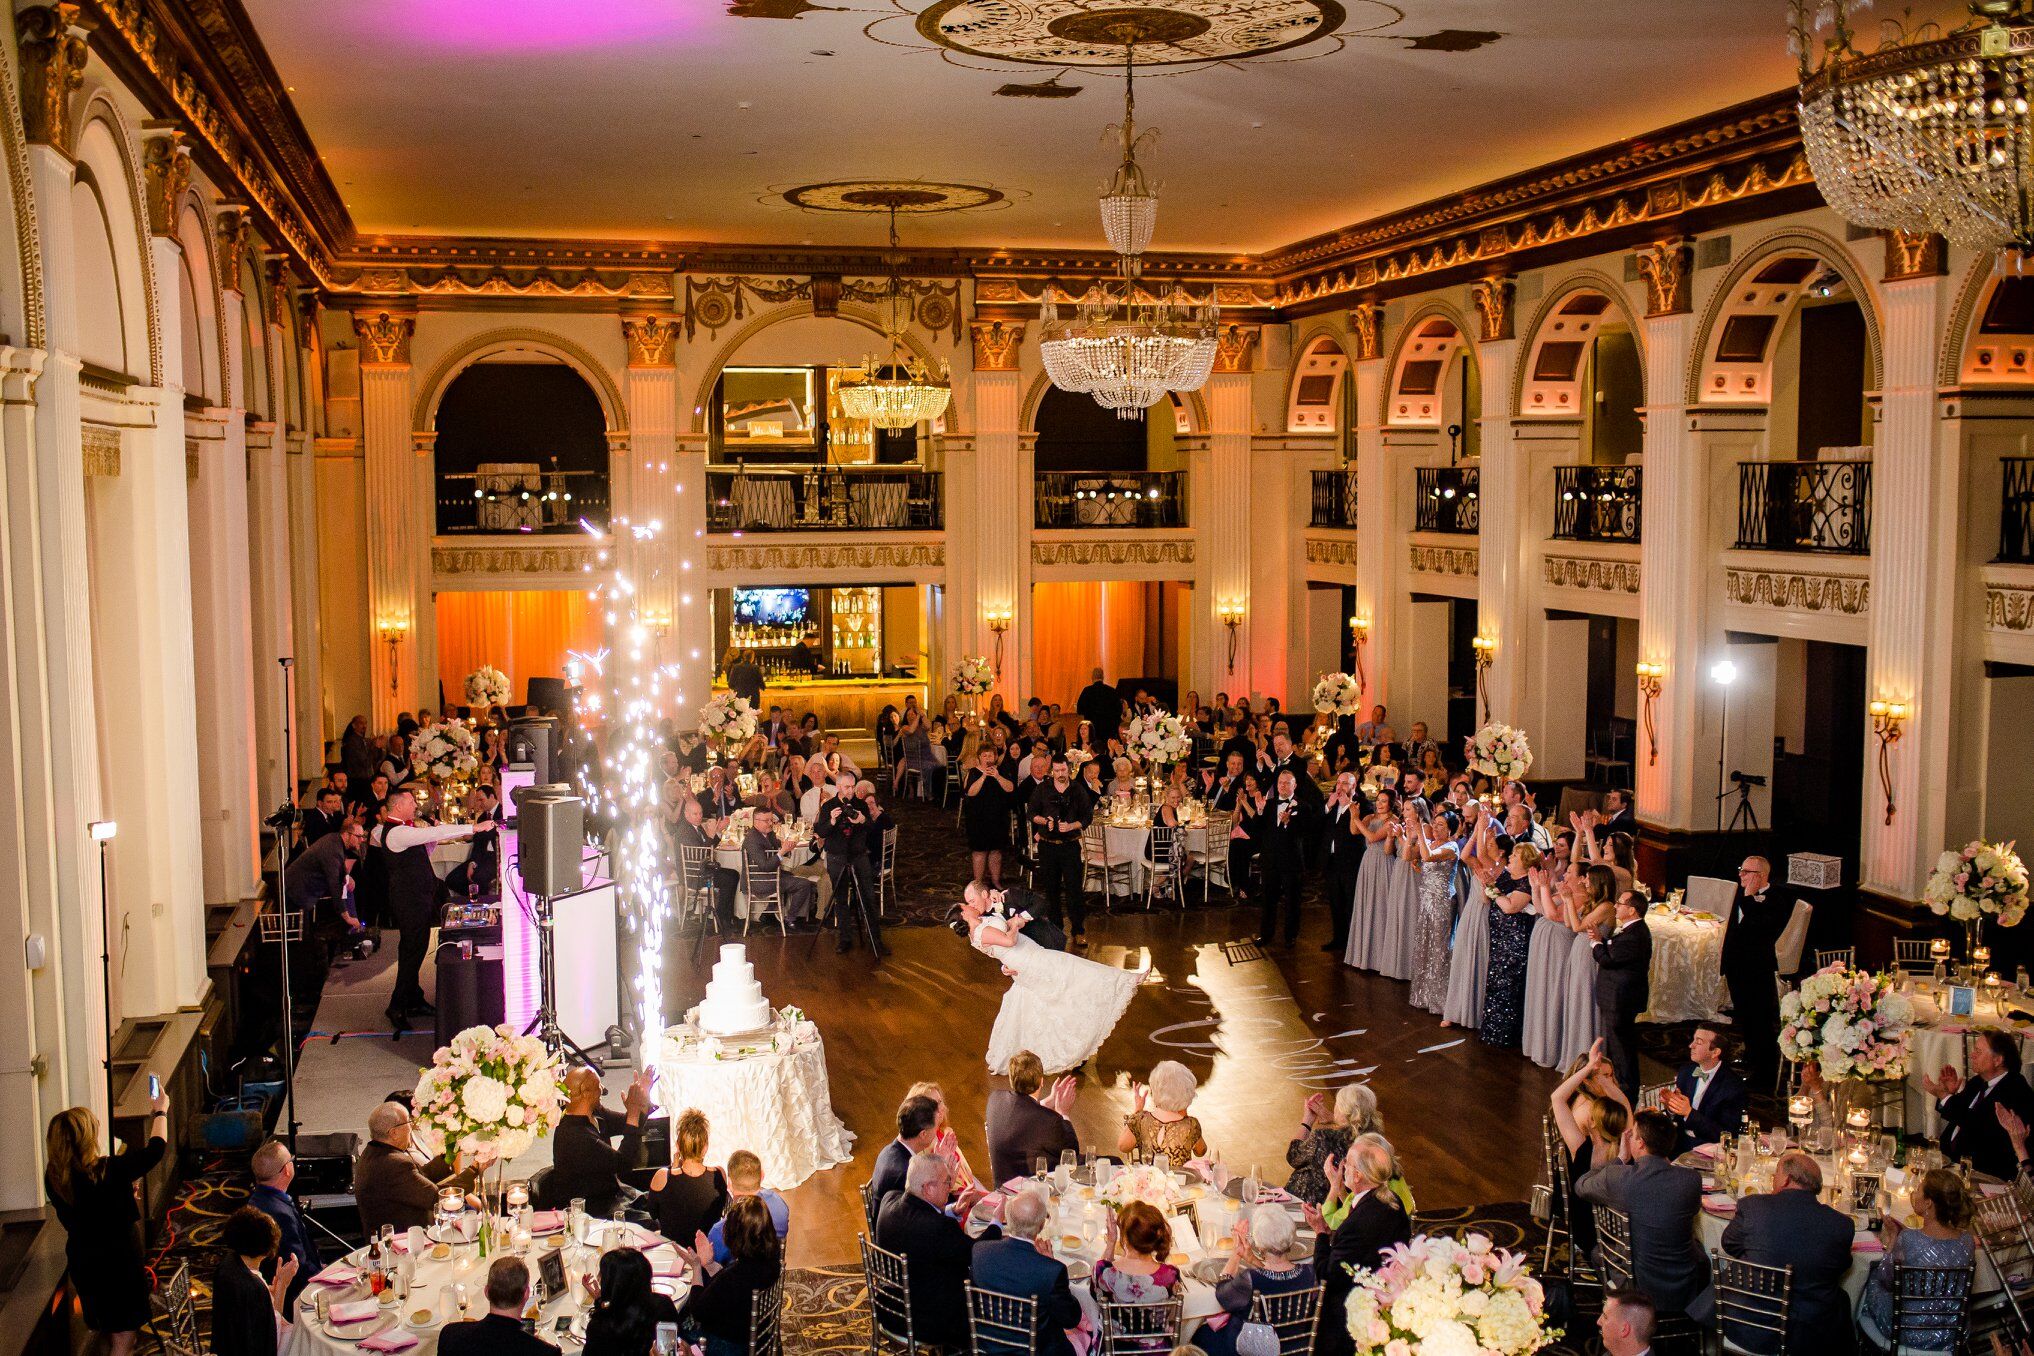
{"x":545,"y":25}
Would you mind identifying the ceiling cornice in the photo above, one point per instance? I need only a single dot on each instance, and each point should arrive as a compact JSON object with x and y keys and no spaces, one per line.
{"x":202,"y":61}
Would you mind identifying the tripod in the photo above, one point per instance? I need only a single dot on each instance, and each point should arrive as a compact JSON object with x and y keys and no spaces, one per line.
{"x":544,"y":1022}
{"x":1745,"y":815}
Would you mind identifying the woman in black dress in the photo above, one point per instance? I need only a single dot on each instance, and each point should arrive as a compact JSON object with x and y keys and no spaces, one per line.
{"x":986,"y":799}
{"x":689,"y":1196}
{"x":244,"y":1306}
{"x":718,"y":1305}
{"x":1511,"y":941}
{"x":626,"y":1314}
{"x":93,"y":1197}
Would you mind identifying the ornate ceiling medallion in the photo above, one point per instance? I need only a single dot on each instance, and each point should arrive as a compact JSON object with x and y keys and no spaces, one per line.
{"x":1073,"y":33}
{"x":883,"y":196}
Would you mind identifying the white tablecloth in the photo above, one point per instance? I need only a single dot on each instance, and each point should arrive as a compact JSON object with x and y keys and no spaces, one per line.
{"x":1126,"y":843}
{"x":445,"y":856}
{"x":1709,"y":1227}
{"x":1687,"y":975}
{"x":778,"y":1105}
{"x":806,"y":852}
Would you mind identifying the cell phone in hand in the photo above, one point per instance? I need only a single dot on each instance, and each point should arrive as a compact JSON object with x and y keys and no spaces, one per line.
{"x":154,"y":1087}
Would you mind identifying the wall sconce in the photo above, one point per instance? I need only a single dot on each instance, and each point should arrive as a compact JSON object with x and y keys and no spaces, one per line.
{"x":1359,"y":632}
{"x":394,"y":630}
{"x":1889,"y":722}
{"x":998,"y":619}
{"x":1486,"y":655}
{"x":1650,"y":672}
{"x":1230,"y":614}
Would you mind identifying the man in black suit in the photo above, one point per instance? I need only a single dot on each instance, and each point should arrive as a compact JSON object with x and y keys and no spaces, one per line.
{"x":1019,"y":1264}
{"x":1375,"y":1221}
{"x":1971,"y":1109}
{"x":1058,"y":814}
{"x":917,"y":1119}
{"x":1791,"y":1228}
{"x":1708,"y":1096}
{"x":500,"y":1333}
{"x":914,"y":1223}
{"x":585,"y":1165}
{"x":324,"y":816}
{"x":1624,"y":963}
{"x":691,"y":831}
{"x":745,"y":679}
{"x":763,"y":850}
{"x":1758,"y":916}
{"x":1101,"y":706}
{"x":1617,"y":812}
{"x":850,"y":829}
{"x":1286,"y":758}
{"x":1282,"y":830}
{"x":1023,"y":1127}
{"x":1342,"y":846}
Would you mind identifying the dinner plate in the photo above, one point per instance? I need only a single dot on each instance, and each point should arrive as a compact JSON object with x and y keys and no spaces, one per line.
{"x":1208,"y":1270}
{"x":428,"y":1320}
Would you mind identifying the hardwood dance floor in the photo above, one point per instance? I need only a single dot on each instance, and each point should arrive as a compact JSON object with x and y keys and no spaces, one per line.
{"x":1259,"y":1033}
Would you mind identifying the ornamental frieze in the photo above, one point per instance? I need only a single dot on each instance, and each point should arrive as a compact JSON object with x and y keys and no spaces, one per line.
{"x":549,"y":558}
{"x":1456,"y":560}
{"x":1176,"y":551}
{"x":1848,"y":595}
{"x":928,"y":555}
{"x":1593,"y":575}
{"x":1326,"y":551}
{"x":2009,"y":609}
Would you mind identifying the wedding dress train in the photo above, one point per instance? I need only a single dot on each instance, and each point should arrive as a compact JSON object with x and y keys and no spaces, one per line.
{"x":1059,"y":1006}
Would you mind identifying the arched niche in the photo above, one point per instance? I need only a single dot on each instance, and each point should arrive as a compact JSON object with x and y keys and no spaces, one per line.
{"x":1989,"y":341}
{"x":1314,"y":400}
{"x":519,"y":446}
{"x":1073,"y":433}
{"x":795,"y":336}
{"x":1189,"y":411}
{"x":198,"y":307}
{"x":1793,"y":329}
{"x":21,"y":283}
{"x":1584,"y":362}
{"x":520,"y":345}
{"x":110,"y":275}
{"x":1436,"y":381}
{"x":259,"y":400}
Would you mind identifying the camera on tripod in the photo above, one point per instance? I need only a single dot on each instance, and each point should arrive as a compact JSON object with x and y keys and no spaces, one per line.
{"x":1747,"y":779}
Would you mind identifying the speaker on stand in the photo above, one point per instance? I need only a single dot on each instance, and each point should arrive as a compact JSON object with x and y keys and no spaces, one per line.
{"x":550,"y":847}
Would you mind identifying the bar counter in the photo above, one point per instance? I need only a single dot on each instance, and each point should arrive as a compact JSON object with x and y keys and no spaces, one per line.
{"x":848,"y":705}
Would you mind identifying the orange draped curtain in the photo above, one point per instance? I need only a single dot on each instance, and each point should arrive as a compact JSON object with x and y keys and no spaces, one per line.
{"x":1076,"y":626}
{"x":524,"y":633}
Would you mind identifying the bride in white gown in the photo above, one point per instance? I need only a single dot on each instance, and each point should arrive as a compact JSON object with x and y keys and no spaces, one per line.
{"x":1058,"y":1006}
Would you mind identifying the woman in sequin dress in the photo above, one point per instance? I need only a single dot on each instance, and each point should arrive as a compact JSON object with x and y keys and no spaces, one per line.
{"x":1511,"y":939}
{"x":1433,"y":856}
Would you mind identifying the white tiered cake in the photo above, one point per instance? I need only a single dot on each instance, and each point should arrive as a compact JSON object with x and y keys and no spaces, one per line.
{"x":734,"y":1002}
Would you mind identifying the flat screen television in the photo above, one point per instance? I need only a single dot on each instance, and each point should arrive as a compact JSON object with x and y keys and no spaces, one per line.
{"x":771,"y":607}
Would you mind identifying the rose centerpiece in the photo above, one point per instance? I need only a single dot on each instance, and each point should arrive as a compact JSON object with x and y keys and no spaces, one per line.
{"x":1440,"y":1296}
{"x":487,"y":1098}
{"x":1851,"y":1024}
{"x":1977,"y":880}
{"x":727,"y":720}
{"x":1159,"y":739}
{"x":1500,"y":751}
{"x":973,"y":676}
{"x":487,"y":686}
{"x":447,"y":752}
{"x":1337,"y":694}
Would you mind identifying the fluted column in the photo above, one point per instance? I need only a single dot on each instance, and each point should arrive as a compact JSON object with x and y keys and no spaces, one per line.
{"x":1380,"y":541}
{"x":996,"y":516}
{"x":651,"y":492}
{"x":1223,"y":555}
{"x":397,"y":542}
{"x":1505,"y":546}
{"x":1675,"y":553}
{"x":268,"y":535}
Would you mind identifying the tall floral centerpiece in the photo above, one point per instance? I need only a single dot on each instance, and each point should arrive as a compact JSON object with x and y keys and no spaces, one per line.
{"x":1852,"y":1025}
{"x":1337,"y":694}
{"x":1500,"y":751}
{"x":972,"y":676}
{"x":727,"y":720}
{"x":487,"y":1097}
{"x":1440,"y":1296}
{"x":1157,"y":741}
{"x":447,"y":755}
{"x":1977,"y":880}
{"x":486,"y":688}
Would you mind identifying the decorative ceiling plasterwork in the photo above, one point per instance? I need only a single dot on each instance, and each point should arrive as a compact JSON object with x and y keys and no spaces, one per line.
{"x":1051,"y":32}
{"x":53,"y":54}
{"x":712,"y":304}
{"x":1664,"y":265}
{"x":910,"y":197}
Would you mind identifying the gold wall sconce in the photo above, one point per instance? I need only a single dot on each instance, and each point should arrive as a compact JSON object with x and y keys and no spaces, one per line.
{"x":394,"y":631}
{"x":1486,"y":655}
{"x":999,"y":619}
{"x":1889,"y":722}
{"x":1230,"y":614}
{"x":1359,"y":632}
{"x":1650,"y":672}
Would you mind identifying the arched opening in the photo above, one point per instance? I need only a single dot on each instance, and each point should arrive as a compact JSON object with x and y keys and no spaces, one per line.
{"x":1318,"y":399}
{"x":1585,"y":365}
{"x":1095,"y":470}
{"x":1793,"y":336}
{"x":1435,"y":384}
{"x":521,"y":447}
{"x":258,"y":399}
{"x":776,"y":399}
{"x":197,"y":306}
{"x":102,"y":330}
{"x":1999,"y":350}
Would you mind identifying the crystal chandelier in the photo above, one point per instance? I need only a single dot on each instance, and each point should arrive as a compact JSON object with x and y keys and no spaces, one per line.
{"x":1930,"y":132}
{"x":899,"y":391}
{"x":1123,"y":344}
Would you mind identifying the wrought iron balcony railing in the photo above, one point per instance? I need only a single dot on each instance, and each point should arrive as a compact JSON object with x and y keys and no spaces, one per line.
{"x":1823,"y":506}
{"x":1596,"y":503}
{"x":1110,"y":499}
{"x":820,"y":498}
{"x":1335,"y":498}
{"x":520,"y":499}
{"x":1447,"y":500}
{"x":2016,"y":512}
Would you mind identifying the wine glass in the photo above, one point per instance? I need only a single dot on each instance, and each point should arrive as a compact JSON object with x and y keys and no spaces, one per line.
{"x":1041,"y":1166}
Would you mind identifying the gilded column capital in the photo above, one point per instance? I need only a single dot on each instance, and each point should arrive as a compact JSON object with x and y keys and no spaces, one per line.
{"x":652,"y":340}
{"x":1915,"y":254}
{"x":53,"y":51}
{"x":384,"y":337}
{"x":276,"y":268}
{"x":236,"y":238}
{"x":1366,"y":328}
{"x":166,"y":174}
{"x":1493,"y":298}
{"x":1236,"y":347}
{"x":997,"y":344}
{"x":1664,"y":267}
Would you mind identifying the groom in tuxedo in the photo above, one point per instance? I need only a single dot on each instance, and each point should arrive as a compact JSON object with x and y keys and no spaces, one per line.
{"x":1282,"y":831}
{"x":1624,"y":963}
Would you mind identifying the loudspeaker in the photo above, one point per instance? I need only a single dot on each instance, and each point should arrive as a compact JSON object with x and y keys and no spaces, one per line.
{"x":551,"y":837}
{"x":530,"y":741}
{"x":549,"y":694}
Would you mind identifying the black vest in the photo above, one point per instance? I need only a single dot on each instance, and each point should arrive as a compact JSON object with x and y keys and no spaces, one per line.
{"x":412,"y":884}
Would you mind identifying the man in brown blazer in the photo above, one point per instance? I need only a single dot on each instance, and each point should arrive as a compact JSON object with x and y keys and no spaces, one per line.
{"x":392,"y":1186}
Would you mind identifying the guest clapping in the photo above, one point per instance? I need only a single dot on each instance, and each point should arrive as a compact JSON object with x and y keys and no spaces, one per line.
{"x":1158,"y":1122}
{"x":1326,"y":1129}
{"x":688,"y":1196}
{"x":1261,"y":1265}
{"x":247,"y":1311}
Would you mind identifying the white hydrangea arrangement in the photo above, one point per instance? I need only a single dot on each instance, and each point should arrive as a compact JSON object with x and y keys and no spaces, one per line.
{"x":727,"y":718}
{"x":1160,"y":737}
{"x":1337,"y":694}
{"x":447,"y":752}
{"x":487,"y":686}
{"x":1440,"y":1296}
{"x":489,"y":1096}
{"x":1849,"y":1023}
{"x":1143,"y":1182}
{"x":1982,"y":878}
{"x":1500,"y":751}
{"x":973,"y":675}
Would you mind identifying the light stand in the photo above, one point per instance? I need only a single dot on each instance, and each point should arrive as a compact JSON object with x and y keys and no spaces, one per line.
{"x":1723,"y":672}
{"x":544,"y":1022}
{"x":283,"y":821}
{"x":103,"y":832}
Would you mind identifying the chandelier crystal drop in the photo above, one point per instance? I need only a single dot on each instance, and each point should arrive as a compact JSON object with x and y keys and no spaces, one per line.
{"x":1931,"y":131}
{"x":899,"y":390}
{"x":1125,"y":343}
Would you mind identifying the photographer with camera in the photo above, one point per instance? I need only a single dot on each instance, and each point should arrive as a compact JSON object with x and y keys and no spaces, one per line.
{"x":850,"y":828}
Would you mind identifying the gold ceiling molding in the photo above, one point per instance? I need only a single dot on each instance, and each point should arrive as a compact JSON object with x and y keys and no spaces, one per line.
{"x":236,"y":238}
{"x":1365,"y":330}
{"x":998,"y":346}
{"x":912,"y":197}
{"x":1912,"y":254}
{"x":1493,"y":298}
{"x":1178,"y":32}
{"x":1664,"y":265}
{"x":53,"y":52}
{"x":1236,"y":348}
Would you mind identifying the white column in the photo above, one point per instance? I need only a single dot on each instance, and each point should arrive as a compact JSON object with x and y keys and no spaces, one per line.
{"x":649,"y":492}
{"x":396,"y":593}
{"x":1506,"y":544}
{"x":1380,"y":529}
{"x":314,"y":725}
{"x":269,"y":581}
{"x":1676,"y":558}
{"x":1917,"y":500}
{"x":997,"y":517}
{"x":1223,"y":552}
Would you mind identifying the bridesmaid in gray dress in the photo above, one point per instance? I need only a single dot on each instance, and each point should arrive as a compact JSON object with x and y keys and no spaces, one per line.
{"x":1591,"y":900}
{"x":1433,"y":851}
{"x":1398,"y":905}
{"x":1546,"y":975}
{"x":1364,"y":919}
{"x":1469,"y":957}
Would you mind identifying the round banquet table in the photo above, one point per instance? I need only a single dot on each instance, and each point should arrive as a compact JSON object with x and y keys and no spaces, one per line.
{"x":777,"y":1103}
{"x":1940,"y":1039}
{"x":1865,"y":1248}
{"x":1687,"y":974}
{"x":1127,"y":842}
{"x":730,"y":856}
{"x":433,"y":1277}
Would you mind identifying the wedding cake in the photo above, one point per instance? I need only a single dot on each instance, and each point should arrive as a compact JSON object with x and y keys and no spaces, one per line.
{"x":734,"y":1002}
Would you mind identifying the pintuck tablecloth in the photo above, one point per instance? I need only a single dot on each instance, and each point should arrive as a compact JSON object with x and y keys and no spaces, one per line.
{"x":777,"y":1103}
{"x":1687,"y":974}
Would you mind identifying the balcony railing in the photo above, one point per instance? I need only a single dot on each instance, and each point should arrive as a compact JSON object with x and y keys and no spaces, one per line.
{"x":2016,"y":513}
{"x":1447,"y":500}
{"x":1335,"y":498}
{"x":520,"y":498}
{"x":1823,"y":506}
{"x":822,"y":498}
{"x":1596,"y":503}
{"x":1110,"y":499}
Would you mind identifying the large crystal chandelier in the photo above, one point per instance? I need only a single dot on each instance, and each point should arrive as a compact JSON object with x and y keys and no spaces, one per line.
{"x":1930,"y":132}
{"x":1126,"y":344}
{"x":898,"y":391}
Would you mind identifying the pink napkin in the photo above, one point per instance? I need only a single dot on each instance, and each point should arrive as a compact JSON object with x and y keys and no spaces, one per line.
{"x":336,"y":1274}
{"x":645,"y":1240}
{"x":547,"y":1222}
{"x":1867,"y":1243}
{"x":393,"y":1340}
{"x":1704,"y":1151}
{"x":1957,"y":1030}
{"x":667,"y":1266}
{"x":1275,"y":1195}
{"x":1017,"y":1184}
{"x":1719,"y":1205}
{"x":355,"y":1311}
